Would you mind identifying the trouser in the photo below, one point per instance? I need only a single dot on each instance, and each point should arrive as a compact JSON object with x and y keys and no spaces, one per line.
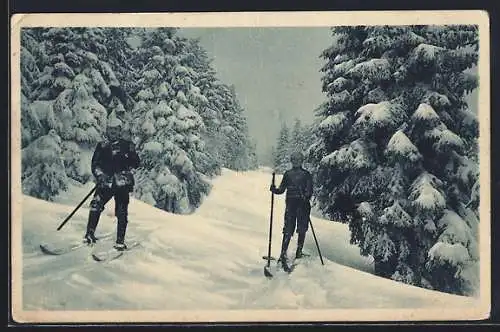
{"x":101,"y":197}
{"x":297,"y":213}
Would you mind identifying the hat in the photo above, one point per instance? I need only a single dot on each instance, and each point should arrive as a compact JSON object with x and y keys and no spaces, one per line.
{"x":114,"y":122}
{"x":297,"y":156}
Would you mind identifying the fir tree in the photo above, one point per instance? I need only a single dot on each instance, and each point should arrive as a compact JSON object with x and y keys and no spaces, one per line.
{"x":282,"y":155}
{"x":396,"y":151}
{"x":167,"y":127}
{"x":70,"y":95}
{"x":43,"y":172}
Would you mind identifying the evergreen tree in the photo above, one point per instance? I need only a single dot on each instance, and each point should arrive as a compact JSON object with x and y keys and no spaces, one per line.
{"x":282,"y":155}
{"x":30,"y":126}
{"x":296,"y":139}
{"x":211,"y":112}
{"x":70,"y":95}
{"x":234,"y":128}
{"x":43,"y":173}
{"x":396,"y":155}
{"x":167,"y":127}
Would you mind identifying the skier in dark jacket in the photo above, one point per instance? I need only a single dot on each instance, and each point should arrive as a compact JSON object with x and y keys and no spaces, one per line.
{"x":112,"y":162}
{"x":298,"y":185}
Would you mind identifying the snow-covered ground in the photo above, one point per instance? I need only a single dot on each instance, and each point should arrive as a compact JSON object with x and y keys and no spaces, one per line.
{"x":208,"y":266}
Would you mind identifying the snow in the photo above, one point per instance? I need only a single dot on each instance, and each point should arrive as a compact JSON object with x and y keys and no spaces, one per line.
{"x":379,"y":43}
{"x":424,"y":53}
{"x":455,"y":254}
{"x":334,"y":122}
{"x":381,"y":114}
{"x":448,"y":139}
{"x":145,"y":94}
{"x":181,"y":71}
{"x":375,"y":70}
{"x":352,"y":156}
{"x":155,"y":147}
{"x":468,"y":170}
{"x":210,"y":261}
{"x":340,"y":99}
{"x":342,"y":68}
{"x":151,"y":75}
{"x":437,"y":99}
{"x":366,"y":210}
{"x":396,"y":215}
{"x":400,"y":144}
{"x":455,"y":228}
{"x":425,"y":195}
{"x":63,"y":69}
{"x":339,"y":84}
{"x":425,"y":112}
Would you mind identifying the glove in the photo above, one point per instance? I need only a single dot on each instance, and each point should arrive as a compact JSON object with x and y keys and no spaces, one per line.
{"x":272,"y":188}
{"x":103,"y":180}
{"x":124,"y":179}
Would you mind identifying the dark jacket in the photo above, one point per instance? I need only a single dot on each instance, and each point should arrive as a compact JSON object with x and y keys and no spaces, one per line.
{"x":114,"y":157}
{"x":298,"y":184}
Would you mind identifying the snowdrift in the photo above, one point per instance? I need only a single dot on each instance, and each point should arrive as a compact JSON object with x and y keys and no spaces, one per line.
{"x":211,"y":260}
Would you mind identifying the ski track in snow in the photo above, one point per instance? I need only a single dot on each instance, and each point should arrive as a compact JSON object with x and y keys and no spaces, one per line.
{"x":209,"y":260}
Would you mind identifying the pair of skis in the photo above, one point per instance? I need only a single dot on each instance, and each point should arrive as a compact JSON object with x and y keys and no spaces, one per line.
{"x":286,"y":266}
{"x":99,"y":255}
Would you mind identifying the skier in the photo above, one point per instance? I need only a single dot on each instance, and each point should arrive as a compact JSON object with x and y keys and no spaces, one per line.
{"x":298,"y":185}
{"x":112,"y":162}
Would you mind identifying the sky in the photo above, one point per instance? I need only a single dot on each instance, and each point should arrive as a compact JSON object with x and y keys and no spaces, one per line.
{"x":276,"y":73}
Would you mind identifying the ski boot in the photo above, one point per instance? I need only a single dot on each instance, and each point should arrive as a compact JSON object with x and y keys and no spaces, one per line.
{"x":89,"y":238}
{"x":120,"y":234}
{"x":300,"y":245}
{"x":93,"y":220}
{"x":284,"y":247}
{"x":120,"y":246}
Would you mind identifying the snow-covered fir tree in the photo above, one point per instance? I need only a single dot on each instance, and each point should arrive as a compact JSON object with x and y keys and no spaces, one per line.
{"x":167,"y":128}
{"x":237,"y":149}
{"x":43,"y":171}
{"x":205,"y":80}
{"x":296,"y":138}
{"x":70,"y":95}
{"x":282,"y":151}
{"x":396,"y":154}
{"x":30,"y":126}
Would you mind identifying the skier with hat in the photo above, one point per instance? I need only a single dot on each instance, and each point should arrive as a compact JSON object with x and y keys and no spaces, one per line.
{"x":298,"y":185}
{"x":112,"y":162}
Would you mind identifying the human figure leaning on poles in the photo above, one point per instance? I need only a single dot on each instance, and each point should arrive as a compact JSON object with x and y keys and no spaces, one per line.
{"x":112,"y":162}
{"x":298,"y":185}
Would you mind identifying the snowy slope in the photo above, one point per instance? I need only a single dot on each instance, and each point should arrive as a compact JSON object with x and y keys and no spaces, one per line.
{"x":207,"y":261}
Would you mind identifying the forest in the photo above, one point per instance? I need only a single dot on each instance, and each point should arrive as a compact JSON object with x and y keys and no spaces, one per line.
{"x":186,"y":124}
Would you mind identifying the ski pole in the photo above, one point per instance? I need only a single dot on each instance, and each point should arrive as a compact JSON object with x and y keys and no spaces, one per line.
{"x":316,"y":240}
{"x":77,"y":207}
{"x":267,"y":273}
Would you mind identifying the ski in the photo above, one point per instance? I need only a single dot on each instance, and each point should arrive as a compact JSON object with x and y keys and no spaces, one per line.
{"x":112,"y":254}
{"x":288,"y":266}
{"x":56,"y":251}
{"x":285,"y":266}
